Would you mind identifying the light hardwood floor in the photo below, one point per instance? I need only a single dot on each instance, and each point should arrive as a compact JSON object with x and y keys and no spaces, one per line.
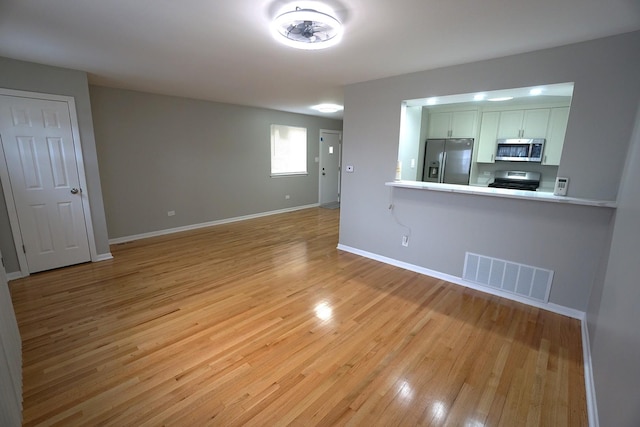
{"x":265,"y":323}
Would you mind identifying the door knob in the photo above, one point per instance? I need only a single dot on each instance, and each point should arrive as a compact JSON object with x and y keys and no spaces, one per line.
{"x":74,"y":191}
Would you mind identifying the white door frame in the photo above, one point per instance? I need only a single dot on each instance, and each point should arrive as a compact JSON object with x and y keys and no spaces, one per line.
{"x":339,"y":133}
{"x":6,"y":186}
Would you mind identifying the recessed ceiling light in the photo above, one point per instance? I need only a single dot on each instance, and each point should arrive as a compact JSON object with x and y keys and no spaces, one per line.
{"x":502,"y":98}
{"x":328,"y":108}
{"x":535,"y":91}
{"x":307,"y":29}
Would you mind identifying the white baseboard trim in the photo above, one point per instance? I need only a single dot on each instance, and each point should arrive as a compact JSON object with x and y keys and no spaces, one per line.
{"x":14,"y":275}
{"x":592,"y":409}
{"x":18,"y":274}
{"x":206,"y":224}
{"x":590,"y":387}
{"x":103,"y":257}
{"x":555,"y":308}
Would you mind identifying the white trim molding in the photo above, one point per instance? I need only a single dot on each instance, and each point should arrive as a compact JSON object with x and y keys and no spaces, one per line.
{"x":589,"y":385}
{"x":14,"y":275}
{"x":133,"y":237}
{"x":592,"y":409}
{"x":103,"y":257}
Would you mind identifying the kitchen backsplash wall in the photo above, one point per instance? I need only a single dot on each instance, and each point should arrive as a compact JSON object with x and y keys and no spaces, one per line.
{"x":484,"y":173}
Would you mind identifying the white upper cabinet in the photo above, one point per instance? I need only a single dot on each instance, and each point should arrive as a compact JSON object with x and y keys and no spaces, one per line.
{"x":555,"y":136}
{"x":548,"y":123}
{"x":510,"y":125}
{"x":487,"y":140}
{"x":535,"y":123}
{"x":463,"y":124}
{"x":439,"y":125}
{"x":457,"y":124}
{"x":524,"y":123}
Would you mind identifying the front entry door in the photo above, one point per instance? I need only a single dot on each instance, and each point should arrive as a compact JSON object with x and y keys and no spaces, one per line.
{"x":330,"y":148}
{"x":38,"y":146}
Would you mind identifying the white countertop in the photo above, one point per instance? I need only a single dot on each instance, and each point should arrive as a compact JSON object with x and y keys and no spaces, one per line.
{"x":501,"y":192}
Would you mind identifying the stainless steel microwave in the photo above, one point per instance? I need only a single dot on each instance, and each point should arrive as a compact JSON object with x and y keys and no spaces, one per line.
{"x":520,"y":150}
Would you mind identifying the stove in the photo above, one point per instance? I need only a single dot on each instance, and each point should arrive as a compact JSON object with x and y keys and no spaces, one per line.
{"x":516,"y":180}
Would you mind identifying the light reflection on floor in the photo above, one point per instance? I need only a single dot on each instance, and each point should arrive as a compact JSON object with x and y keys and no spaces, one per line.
{"x":439,"y":411}
{"x":405,"y":391}
{"x":324,"y":311}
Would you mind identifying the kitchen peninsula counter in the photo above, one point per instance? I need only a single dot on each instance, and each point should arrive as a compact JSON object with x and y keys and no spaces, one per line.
{"x":539,"y":196}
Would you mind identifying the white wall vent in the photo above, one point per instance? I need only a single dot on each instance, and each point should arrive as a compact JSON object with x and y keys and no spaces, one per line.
{"x":520,"y":279}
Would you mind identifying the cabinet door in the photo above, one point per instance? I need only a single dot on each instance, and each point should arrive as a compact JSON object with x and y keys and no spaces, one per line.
{"x":463,"y":124}
{"x":439,"y":125}
{"x":555,"y":136}
{"x":488,"y":135}
{"x":510,"y":124}
{"x":534,"y":124}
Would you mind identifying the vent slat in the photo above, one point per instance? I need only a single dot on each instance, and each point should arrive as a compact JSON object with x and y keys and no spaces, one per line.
{"x":520,"y":279}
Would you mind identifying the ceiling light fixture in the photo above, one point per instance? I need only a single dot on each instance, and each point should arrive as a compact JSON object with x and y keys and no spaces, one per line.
{"x":307,"y":29}
{"x":535,"y":91}
{"x":503,"y":98}
{"x":328,"y":108}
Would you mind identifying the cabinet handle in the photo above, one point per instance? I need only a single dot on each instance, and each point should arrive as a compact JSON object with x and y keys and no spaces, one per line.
{"x":545,"y":159}
{"x":492,"y":157}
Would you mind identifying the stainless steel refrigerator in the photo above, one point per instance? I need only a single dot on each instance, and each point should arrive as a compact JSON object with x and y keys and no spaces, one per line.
{"x":448,"y":160}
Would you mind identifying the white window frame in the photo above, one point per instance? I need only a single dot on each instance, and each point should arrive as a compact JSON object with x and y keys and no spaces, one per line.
{"x":283,"y":148}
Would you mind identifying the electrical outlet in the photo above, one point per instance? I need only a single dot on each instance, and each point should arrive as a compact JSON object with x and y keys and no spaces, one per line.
{"x":171,"y":213}
{"x":405,"y":240}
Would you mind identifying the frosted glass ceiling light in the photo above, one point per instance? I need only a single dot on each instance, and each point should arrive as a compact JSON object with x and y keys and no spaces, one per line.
{"x":307,"y":29}
{"x":328,"y":108}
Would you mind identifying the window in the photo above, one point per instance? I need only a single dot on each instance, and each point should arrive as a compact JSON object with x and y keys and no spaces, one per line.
{"x":288,"y":150}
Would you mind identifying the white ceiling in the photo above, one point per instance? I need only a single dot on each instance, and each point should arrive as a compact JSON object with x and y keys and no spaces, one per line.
{"x":223,"y":50}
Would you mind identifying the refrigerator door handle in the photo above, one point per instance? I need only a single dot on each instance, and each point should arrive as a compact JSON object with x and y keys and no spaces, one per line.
{"x":443,"y":166}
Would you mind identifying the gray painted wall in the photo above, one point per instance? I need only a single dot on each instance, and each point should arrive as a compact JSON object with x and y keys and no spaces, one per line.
{"x":206,"y":161}
{"x":32,"y":77}
{"x":567,"y":239}
{"x":614,"y":316}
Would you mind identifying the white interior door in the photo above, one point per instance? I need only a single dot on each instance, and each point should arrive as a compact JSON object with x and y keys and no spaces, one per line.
{"x":42,"y":170}
{"x":330,"y":150}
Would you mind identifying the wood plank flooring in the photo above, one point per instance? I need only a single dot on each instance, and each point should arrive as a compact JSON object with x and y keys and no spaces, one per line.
{"x":265,"y":323}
